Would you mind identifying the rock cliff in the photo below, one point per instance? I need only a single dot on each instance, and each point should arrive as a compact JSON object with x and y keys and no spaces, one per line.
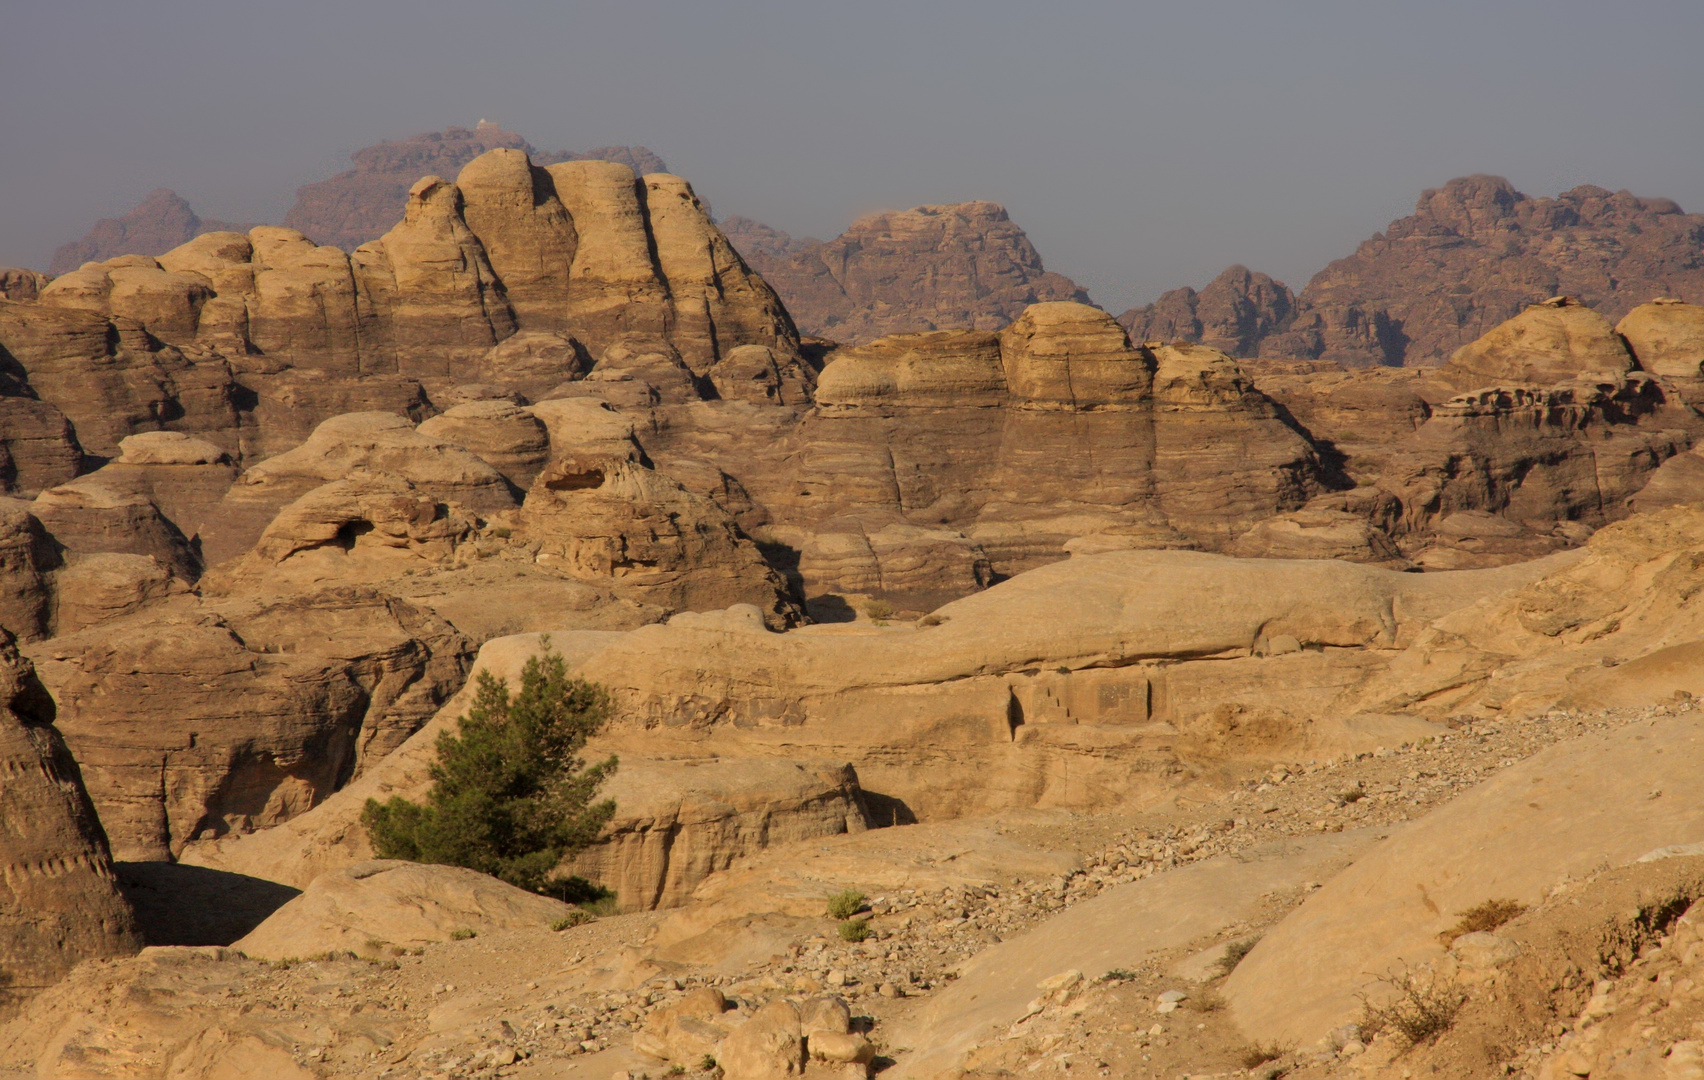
{"x":960,"y":266}
{"x":1473,"y":254}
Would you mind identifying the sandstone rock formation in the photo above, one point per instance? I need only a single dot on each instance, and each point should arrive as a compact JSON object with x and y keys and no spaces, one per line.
{"x":960,"y":266}
{"x":59,"y":903}
{"x":328,"y":683}
{"x":372,"y":907}
{"x":357,"y":206}
{"x":20,"y":284}
{"x":159,"y":223}
{"x":1473,"y":254}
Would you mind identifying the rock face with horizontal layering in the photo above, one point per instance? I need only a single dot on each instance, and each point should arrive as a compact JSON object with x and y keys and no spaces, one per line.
{"x":59,"y":903}
{"x":962,"y":266}
{"x":328,"y":684}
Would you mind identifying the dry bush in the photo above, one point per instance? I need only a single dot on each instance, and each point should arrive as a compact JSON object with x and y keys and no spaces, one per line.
{"x":1423,"y":1008}
{"x":1257,"y":1054}
{"x":1205,"y":1001}
{"x":844,"y":905}
{"x":1484,"y":918}
{"x":855,"y":930}
{"x":1234,"y":953}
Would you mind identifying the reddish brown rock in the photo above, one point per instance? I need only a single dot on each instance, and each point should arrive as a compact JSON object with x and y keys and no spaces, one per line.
{"x":1234,"y":313}
{"x":958,"y":266}
{"x":159,"y":223}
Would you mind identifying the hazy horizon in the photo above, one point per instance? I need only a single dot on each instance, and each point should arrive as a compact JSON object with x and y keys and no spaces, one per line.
{"x":1142,"y":148}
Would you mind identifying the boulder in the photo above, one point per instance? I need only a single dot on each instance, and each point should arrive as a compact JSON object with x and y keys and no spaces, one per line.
{"x":1667,"y":338}
{"x":687,"y":1031}
{"x":88,"y":515}
{"x":942,"y":369}
{"x":371,"y":906}
{"x":533,"y":362}
{"x":1069,"y":355}
{"x":371,"y":441}
{"x":599,"y":518}
{"x":766,"y":1047}
{"x":109,"y":585}
{"x":507,"y":437}
{"x":1546,"y":344}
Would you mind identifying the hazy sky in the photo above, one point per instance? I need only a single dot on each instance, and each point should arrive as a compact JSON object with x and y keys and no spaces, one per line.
{"x":1141,"y":145}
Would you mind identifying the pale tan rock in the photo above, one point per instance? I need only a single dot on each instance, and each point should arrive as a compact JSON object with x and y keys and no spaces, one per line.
{"x":824,"y":1014}
{"x":677,"y":822}
{"x":754,"y":373}
{"x":533,"y":362}
{"x":17,"y":283}
{"x":399,"y":903}
{"x":59,"y":902}
{"x":1546,"y":344}
{"x":307,"y":305}
{"x":1318,"y":534}
{"x":600,"y":518}
{"x":511,"y":205}
{"x":687,"y":1031}
{"x":329,"y":683}
{"x":109,"y":585}
{"x":1667,"y":338}
{"x":449,"y":306}
{"x":615,"y":286}
{"x":716,"y":297}
{"x":27,"y":555}
{"x":167,"y":448}
{"x":1567,"y":811}
{"x":371,"y":441}
{"x":508,"y":438}
{"x":840,"y":1048}
{"x":89,"y":515}
{"x":1678,"y":482}
{"x":925,"y":370}
{"x":1067,"y":355}
{"x":766,"y":1047}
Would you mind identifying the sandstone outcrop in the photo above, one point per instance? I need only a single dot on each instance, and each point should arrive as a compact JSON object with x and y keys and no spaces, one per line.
{"x":37,"y":447}
{"x":1234,"y":313}
{"x":1546,"y":344}
{"x":507,"y":437}
{"x":1473,"y":254}
{"x":375,"y":906}
{"x":59,"y":903}
{"x":88,"y":516}
{"x":960,"y":266}
{"x":1667,"y":336}
{"x":17,"y":283}
{"x":357,"y":206}
{"x":27,"y":556}
{"x":328,"y":683}
{"x":158,"y":223}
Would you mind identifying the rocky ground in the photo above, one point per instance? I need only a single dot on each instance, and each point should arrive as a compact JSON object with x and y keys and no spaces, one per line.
{"x":569,"y":1003}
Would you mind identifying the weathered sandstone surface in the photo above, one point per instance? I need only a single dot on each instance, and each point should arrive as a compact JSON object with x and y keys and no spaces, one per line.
{"x":960,"y":266}
{"x":1472,"y":255}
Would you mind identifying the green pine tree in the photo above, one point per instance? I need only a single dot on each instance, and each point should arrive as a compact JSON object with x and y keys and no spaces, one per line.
{"x":510,"y":796}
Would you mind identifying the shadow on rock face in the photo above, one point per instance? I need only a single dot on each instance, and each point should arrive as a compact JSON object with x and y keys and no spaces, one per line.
{"x":830,"y":608}
{"x":193,"y":905}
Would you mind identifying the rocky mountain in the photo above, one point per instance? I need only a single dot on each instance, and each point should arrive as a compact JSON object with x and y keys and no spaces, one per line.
{"x":360,"y":204}
{"x":1474,"y":253}
{"x":159,"y":223}
{"x":961,"y":266}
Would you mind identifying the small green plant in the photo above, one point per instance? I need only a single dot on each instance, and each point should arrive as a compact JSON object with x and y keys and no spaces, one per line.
{"x":374,"y":944}
{"x":463,"y":933}
{"x":1234,"y":953}
{"x":1118,"y":975}
{"x":1257,"y":1054}
{"x":501,"y":532}
{"x":510,"y":796}
{"x":855,"y":930}
{"x":845,"y":904}
{"x":676,"y":1070}
{"x":879,"y":611}
{"x":707,"y":1064}
{"x":577,"y":917}
{"x":1421,"y":1010}
{"x":1483,"y":917}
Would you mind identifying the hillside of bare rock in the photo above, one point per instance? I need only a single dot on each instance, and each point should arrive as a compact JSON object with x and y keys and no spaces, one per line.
{"x":960,"y":266}
{"x":1473,"y":254}
{"x":362,"y":203}
{"x":158,"y":223}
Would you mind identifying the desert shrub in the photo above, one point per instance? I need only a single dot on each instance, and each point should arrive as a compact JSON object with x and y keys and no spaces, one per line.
{"x":1204,"y":1001}
{"x":1234,"y":953}
{"x":879,"y":611}
{"x":510,"y":796}
{"x":1422,"y":1009}
{"x":1118,"y":975}
{"x":1484,"y":917}
{"x":845,"y":904}
{"x":855,"y":930}
{"x":571,"y":920}
{"x":1257,"y":1054}
{"x":463,"y":933}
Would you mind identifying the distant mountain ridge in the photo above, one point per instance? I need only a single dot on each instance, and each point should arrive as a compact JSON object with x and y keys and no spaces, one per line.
{"x":1474,"y":253}
{"x":159,"y":223}
{"x":959,"y":266}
